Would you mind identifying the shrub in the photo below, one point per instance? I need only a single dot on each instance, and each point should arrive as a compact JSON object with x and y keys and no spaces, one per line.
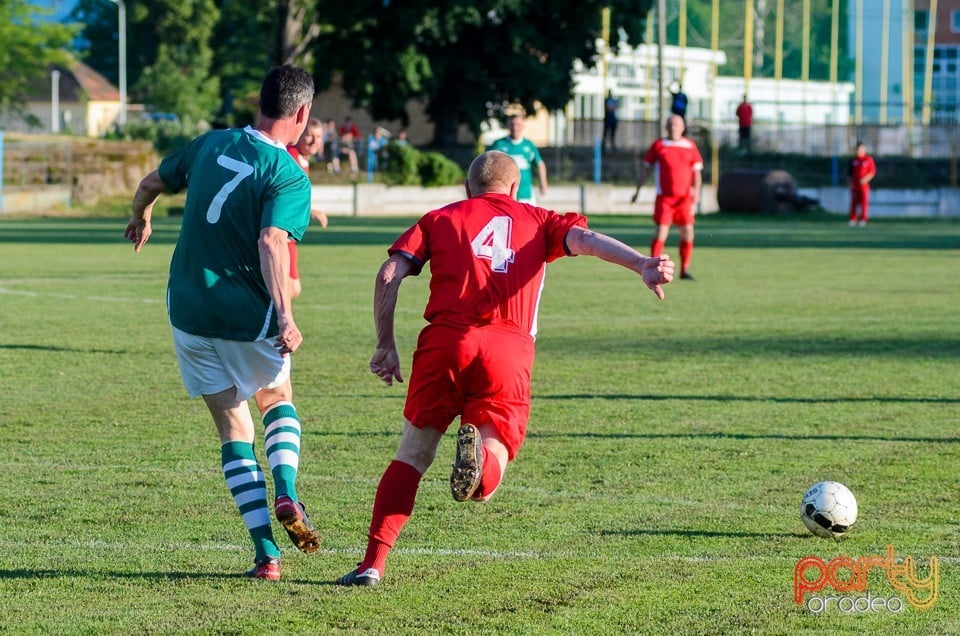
{"x":400,"y":165}
{"x":438,"y":170}
{"x":405,"y":165}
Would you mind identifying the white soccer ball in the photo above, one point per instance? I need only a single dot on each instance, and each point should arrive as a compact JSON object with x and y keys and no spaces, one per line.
{"x":828,"y":509}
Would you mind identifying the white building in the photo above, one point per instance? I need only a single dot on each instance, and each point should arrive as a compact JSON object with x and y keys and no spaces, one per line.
{"x":632,"y":76}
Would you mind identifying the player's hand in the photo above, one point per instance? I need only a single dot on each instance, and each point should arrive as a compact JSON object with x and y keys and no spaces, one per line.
{"x":289,"y":339}
{"x":385,"y":364}
{"x":657,"y":270}
{"x":138,"y":231}
{"x":320,"y":217}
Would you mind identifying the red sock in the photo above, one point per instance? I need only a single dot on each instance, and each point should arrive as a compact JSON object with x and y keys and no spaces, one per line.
{"x":656,"y":248}
{"x":491,"y":476}
{"x":392,"y":506}
{"x":686,"y":251}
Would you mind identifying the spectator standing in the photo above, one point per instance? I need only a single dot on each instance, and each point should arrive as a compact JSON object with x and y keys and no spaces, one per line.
{"x":349,"y":140}
{"x":487,"y":255}
{"x":331,"y":146}
{"x":610,"y":121}
{"x":744,"y":122}
{"x":862,"y":170}
{"x":527,"y":155}
{"x":228,"y":299}
{"x":377,"y":148}
{"x":678,"y":165}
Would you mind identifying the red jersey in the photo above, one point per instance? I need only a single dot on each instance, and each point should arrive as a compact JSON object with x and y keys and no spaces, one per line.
{"x":861,"y":167}
{"x":674,"y":164}
{"x":488,"y":257}
{"x":302,"y":161}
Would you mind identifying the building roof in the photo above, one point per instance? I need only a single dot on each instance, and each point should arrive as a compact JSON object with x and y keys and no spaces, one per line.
{"x":96,"y":86}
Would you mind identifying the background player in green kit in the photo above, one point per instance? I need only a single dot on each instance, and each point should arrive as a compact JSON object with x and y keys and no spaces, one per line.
{"x":525,"y":153}
{"x":228,"y":297}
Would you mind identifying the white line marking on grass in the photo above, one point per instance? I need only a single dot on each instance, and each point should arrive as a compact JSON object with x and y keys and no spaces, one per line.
{"x":522,"y":555}
{"x":116,"y":299}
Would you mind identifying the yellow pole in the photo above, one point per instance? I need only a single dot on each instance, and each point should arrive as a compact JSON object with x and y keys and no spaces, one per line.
{"x":648,"y":38}
{"x":605,"y":36}
{"x":928,"y":65}
{"x":858,"y":66}
{"x":747,"y":44}
{"x":778,"y":59}
{"x":884,"y":60}
{"x":805,"y":44}
{"x":908,"y":92}
{"x":682,"y":40}
{"x":834,"y":39}
{"x":714,"y":47}
{"x":805,"y":66}
{"x":661,"y":42}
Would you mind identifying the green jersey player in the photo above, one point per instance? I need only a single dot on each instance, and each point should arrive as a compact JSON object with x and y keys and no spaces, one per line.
{"x":526,"y":154}
{"x":228,"y":297}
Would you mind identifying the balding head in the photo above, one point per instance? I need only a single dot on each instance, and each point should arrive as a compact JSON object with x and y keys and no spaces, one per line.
{"x":493,"y":171}
{"x":675,"y":127}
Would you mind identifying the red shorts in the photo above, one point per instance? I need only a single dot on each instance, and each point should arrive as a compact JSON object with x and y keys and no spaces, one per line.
{"x":480,"y":373}
{"x":294,"y":272}
{"x":673,"y":210}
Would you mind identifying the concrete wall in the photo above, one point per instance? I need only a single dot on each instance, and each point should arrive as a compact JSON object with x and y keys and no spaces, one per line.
{"x":375,"y":199}
{"x":34,"y":200}
{"x":940,"y":202}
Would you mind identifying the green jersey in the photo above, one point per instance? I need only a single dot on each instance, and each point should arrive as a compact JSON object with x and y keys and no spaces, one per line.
{"x":525,"y":153}
{"x":238,"y":182}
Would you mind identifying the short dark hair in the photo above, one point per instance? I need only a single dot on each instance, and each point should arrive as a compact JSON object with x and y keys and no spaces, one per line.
{"x":285,"y":89}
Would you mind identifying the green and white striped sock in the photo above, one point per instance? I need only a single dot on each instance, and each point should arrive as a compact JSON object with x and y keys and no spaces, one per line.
{"x":249,"y":489}
{"x":281,"y":438}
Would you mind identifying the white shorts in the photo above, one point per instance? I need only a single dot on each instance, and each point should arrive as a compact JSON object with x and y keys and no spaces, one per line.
{"x":212,"y":365}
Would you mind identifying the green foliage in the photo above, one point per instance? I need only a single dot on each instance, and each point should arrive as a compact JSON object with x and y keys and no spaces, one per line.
{"x":167,"y":136}
{"x":405,"y":165}
{"x":437,"y":170}
{"x":27,"y":47}
{"x":400,"y":166}
{"x":170,"y":66}
{"x":657,"y":492}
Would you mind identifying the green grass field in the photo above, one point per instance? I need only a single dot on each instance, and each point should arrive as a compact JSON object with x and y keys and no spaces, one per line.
{"x":658,"y":491}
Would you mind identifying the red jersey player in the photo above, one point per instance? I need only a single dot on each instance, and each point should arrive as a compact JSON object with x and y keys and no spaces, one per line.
{"x":309,"y":144}
{"x":678,"y":166}
{"x":862,"y":171}
{"x":487,"y":255}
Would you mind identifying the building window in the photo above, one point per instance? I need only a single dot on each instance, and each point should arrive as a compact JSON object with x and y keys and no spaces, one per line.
{"x":920,"y":19}
{"x":955,"y":21}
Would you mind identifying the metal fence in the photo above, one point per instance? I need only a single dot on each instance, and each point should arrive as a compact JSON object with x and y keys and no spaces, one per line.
{"x":936,"y":141}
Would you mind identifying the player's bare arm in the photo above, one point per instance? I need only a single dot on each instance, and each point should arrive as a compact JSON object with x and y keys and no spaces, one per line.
{"x":697,"y":184}
{"x":274,"y":265}
{"x":385,"y":362}
{"x":139,"y":229}
{"x":655,"y":271}
{"x":642,"y":175}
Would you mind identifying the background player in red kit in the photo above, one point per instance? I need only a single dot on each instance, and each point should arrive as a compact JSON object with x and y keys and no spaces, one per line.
{"x":488,"y":256}
{"x":309,"y":144}
{"x":678,"y":166}
{"x":862,"y":171}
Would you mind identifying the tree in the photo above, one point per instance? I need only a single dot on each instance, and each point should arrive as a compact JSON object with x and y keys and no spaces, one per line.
{"x":466,"y":58}
{"x":169,"y":56}
{"x":253,"y":36}
{"x":27,"y":48}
